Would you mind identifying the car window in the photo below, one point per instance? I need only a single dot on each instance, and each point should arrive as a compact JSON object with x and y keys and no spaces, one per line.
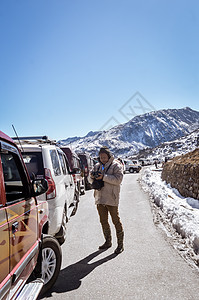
{"x":34,"y":164}
{"x":16,"y":186}
{"x":76,"y":162}
{"x":55,"y":162}
{"x":83,"y":160}
{"x":63,"y":165}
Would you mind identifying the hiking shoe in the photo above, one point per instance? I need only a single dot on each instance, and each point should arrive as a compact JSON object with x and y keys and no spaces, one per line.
{"x":119,"y":250}
{"x":106,"y":245}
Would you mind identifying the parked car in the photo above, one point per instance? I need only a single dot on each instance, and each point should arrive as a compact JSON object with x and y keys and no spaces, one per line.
{"x":26,"y":253}
{"x":75,"y":167}
{"x":86,"y":166}
{"x":44,"y":159}
{"x":132,"y":166}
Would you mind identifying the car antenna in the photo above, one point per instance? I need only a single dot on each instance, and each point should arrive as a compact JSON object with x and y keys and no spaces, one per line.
{"x":17,"y":138}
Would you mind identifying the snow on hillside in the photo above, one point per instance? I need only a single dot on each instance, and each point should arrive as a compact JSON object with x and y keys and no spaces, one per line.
{"x":148,"y":130}
{"x":174,"y":148}
{"x":182,"y":213}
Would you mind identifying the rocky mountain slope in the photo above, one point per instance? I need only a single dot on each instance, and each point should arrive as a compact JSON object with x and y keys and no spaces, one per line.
{"x":172,"y":149}
{"x":147,"y":130}
{"x":182,"y":173}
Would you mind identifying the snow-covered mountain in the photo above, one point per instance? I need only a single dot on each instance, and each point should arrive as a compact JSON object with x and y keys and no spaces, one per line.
{"x":174,"y":148}
{"x":147,"y":130}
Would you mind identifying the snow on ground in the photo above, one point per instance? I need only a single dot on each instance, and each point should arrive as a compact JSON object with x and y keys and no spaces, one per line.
{"x":183,"y":213}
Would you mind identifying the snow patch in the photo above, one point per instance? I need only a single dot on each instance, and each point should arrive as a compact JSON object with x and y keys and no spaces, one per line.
{"x":183,"y":213}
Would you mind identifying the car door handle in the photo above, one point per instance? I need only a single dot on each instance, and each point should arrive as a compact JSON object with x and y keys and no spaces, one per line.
{"x":15,"y":226}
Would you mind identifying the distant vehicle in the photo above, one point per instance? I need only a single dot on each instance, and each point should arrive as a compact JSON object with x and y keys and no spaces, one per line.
{"x":86,"y":166}
{"x":132,"y":166}
{"x":144,"y":162}
{"x":75,"y":166}
{"x":25,"y":248}
{"x":44,"y":159}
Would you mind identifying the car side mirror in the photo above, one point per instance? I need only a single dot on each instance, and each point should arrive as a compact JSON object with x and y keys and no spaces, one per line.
{"x":39,"y":186}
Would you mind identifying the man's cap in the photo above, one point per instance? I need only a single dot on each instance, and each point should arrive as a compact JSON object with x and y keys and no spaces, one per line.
{"x":105,"y":150}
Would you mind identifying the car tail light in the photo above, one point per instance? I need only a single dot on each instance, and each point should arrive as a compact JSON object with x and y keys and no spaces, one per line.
{"x":74,"y":178}
{"x":51,"y":192}
{"x":86,"y":171}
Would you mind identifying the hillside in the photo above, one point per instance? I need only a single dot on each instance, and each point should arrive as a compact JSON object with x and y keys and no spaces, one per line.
{"x":147,"y":130}
{"x":174,"y":148}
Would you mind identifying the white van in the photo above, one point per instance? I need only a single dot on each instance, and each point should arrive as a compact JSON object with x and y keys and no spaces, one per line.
{"x":132,"y":166}
{"x":44,"y":159}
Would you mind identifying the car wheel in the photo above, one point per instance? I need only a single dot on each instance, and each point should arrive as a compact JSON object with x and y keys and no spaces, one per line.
{"x":83,"y":188}
{"x":131,"y":170}
{"x":82,"y":192}
{"x":51,"y":262}
{"x":76,"y":202}
{"x":62,"y":232}
{"x":77,"y":196}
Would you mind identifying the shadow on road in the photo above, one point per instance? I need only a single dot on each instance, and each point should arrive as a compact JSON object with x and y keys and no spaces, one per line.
{"x":70,"y":278}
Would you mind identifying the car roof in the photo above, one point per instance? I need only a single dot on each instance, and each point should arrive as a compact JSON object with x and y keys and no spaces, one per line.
{"x":6,"y":137}
{"x":68,"y":150}
{"x":36,"y":147}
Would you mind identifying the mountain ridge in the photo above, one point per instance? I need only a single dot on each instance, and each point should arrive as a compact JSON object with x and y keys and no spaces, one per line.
{"x":143,"y":131}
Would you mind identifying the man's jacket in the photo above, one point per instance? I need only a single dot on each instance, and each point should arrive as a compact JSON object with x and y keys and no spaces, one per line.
{"x":110,"y":192}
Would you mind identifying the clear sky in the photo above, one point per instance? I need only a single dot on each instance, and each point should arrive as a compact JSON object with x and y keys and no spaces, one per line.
{"x":71,"y":66}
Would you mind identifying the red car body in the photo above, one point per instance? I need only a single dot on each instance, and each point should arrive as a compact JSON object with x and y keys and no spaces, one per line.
{"x":21,"y":221}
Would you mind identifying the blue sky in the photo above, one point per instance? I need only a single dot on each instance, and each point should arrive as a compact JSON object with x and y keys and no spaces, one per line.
{"x":69,"y":67}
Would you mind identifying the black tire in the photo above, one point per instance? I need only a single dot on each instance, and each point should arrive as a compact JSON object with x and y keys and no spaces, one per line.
{"x":77,"y":196}
{"x":131,"y":170}
{"x":76,"y":202}
{"x":83,"y":190}
{"x":61,"y":235}
{"x":51,"y":262}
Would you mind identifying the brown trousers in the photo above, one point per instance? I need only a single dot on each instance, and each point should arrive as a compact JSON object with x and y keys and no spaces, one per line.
{"x":103,"y":211}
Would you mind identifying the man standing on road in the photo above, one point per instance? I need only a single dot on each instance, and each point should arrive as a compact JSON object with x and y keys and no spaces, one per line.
{"x":107,"y":198}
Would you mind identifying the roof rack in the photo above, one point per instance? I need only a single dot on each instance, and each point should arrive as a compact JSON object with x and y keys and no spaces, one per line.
{"x":34,"y":140}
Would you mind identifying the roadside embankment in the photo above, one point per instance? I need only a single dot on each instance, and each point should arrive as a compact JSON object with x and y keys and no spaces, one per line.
{"x":182,"y":173}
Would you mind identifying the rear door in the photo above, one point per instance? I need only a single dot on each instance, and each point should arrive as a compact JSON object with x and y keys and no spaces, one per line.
{"x":21,"y":213}
{"x":68,"y":179}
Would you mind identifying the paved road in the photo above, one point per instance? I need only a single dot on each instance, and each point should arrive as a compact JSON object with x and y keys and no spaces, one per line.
{"x":149,"y":268}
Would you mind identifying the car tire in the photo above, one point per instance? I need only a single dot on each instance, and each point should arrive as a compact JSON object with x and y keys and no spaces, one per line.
{"x":77,"y":196}
{"x":62,"y":231}
{"x":82,"y":192}
{"x":76,"y":202}
{"x":83,"y":188}
{"x":50,"y":262}
{"x":131,"y":170}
